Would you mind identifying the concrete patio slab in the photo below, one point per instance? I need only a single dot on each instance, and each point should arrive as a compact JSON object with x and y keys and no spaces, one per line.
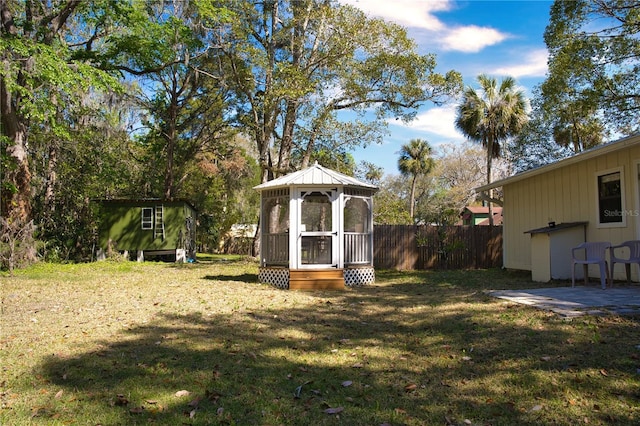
{"x":579,"y":300}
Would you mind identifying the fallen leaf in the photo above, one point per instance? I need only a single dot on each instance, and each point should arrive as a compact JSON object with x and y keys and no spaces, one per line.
{"x":357,"y":365}
{"x":347,"y":383}
{"x":137,"y":410}
{"x":410,"y":387}
{"x":535,"y":408}
{"x":59,"y":394}
{"x":604,"y":372}
{"x":335,"y":410}
{"x":298,"y":391}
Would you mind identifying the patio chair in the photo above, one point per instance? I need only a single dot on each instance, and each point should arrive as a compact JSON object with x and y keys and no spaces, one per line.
{"x":634,"y":257}
{"x":594,"y":254}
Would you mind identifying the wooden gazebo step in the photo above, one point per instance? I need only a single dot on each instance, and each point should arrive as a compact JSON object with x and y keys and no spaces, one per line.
{"x":316,"y":279}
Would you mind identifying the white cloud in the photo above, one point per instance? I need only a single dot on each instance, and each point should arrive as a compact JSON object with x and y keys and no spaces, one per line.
{"x":419,"y":14}
{"x":471,"y":38}
{"x":534,"y":65}
{"x":408,"y":13}
{"x":438,"y":121}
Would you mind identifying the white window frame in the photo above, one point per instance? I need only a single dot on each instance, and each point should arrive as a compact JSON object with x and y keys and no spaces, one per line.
{"x":147,"y":224}
{"x":623,"y":211}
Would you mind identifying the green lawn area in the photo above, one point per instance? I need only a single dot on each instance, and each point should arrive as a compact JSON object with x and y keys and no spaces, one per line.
{"x":117,"y":343}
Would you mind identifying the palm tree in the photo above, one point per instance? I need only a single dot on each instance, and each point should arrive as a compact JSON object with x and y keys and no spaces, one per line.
{"x":491,"y":117}
{"x":415,"y":160}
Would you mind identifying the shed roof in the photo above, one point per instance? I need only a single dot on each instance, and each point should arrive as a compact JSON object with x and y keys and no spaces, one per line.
{"x":315,"y":175}
{"x":482,"y":209}
{"x":585,"y":155}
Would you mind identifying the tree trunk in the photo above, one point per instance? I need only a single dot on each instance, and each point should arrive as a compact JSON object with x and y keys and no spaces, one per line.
{"x":51,"y":179}
{"x":15,"y":193}
{"x":284,"y":159}
{"x":412,"y":197}
{"x":489,"y":160}
{"x":171,"y":136}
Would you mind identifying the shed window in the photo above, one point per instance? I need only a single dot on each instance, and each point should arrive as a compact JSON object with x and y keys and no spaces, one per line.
{"x":610,"y":199}
{"x":147,"y":218}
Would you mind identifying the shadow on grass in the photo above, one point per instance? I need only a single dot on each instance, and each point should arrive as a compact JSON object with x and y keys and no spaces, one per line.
{"x":401,"y":353}
{"x":246,"y":278}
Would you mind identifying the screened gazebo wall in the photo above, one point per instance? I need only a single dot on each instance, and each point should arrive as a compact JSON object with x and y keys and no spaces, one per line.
{"x":358,"y":229}
{"x":275,"y":217}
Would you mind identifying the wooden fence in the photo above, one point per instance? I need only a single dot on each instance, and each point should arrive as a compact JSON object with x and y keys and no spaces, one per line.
{"x":407,"y":247}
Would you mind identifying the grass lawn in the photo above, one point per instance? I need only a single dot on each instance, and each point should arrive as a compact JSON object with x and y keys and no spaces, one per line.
{"x":126,"y":343}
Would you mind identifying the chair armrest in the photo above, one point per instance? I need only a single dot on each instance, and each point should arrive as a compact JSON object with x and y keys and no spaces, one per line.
{"x":575,"y":249}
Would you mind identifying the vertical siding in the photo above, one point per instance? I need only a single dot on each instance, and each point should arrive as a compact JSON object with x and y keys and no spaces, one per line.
{"x":567,"y":194}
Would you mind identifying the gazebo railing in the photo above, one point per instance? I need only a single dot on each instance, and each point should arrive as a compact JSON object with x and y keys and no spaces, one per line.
{"x":275,"y":249}
{"x":357,"y":248}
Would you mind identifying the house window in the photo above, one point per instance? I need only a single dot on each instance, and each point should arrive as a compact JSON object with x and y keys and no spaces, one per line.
{"x":147,"y":218}
{"x":611,"y":199}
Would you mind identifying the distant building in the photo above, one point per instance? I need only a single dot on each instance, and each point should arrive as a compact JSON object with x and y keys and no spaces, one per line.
{"x":479,"y":216}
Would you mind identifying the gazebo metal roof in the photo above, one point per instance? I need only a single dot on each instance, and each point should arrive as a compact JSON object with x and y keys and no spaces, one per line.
{"x":316,"y":175}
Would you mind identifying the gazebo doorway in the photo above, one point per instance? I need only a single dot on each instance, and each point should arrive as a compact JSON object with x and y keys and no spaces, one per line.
{"x":318,"y":236}
{"x":316,"y":230}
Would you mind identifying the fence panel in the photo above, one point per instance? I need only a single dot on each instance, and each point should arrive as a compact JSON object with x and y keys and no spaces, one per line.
{"x":437,"y":247}
{"x":394,"y":247}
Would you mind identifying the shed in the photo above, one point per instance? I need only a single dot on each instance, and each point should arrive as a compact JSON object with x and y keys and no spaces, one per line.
{"x":479,"y":215}
{"x":316,"y":230}
{"x":597,"y":189}
{"x":148,"y":228}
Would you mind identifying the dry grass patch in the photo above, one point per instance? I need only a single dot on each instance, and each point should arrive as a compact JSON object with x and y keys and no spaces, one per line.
{"x":128,"y":343}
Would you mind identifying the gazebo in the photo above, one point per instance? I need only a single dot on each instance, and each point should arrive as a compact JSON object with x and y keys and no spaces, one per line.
{"x":316,"y":230}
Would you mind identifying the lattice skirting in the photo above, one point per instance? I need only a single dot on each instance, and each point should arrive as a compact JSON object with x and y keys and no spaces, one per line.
{"x":278,"y":277}
{"x":354,"y":277}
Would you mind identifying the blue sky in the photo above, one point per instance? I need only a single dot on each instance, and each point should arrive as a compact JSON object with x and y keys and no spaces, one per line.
{"x":497,"y":38}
